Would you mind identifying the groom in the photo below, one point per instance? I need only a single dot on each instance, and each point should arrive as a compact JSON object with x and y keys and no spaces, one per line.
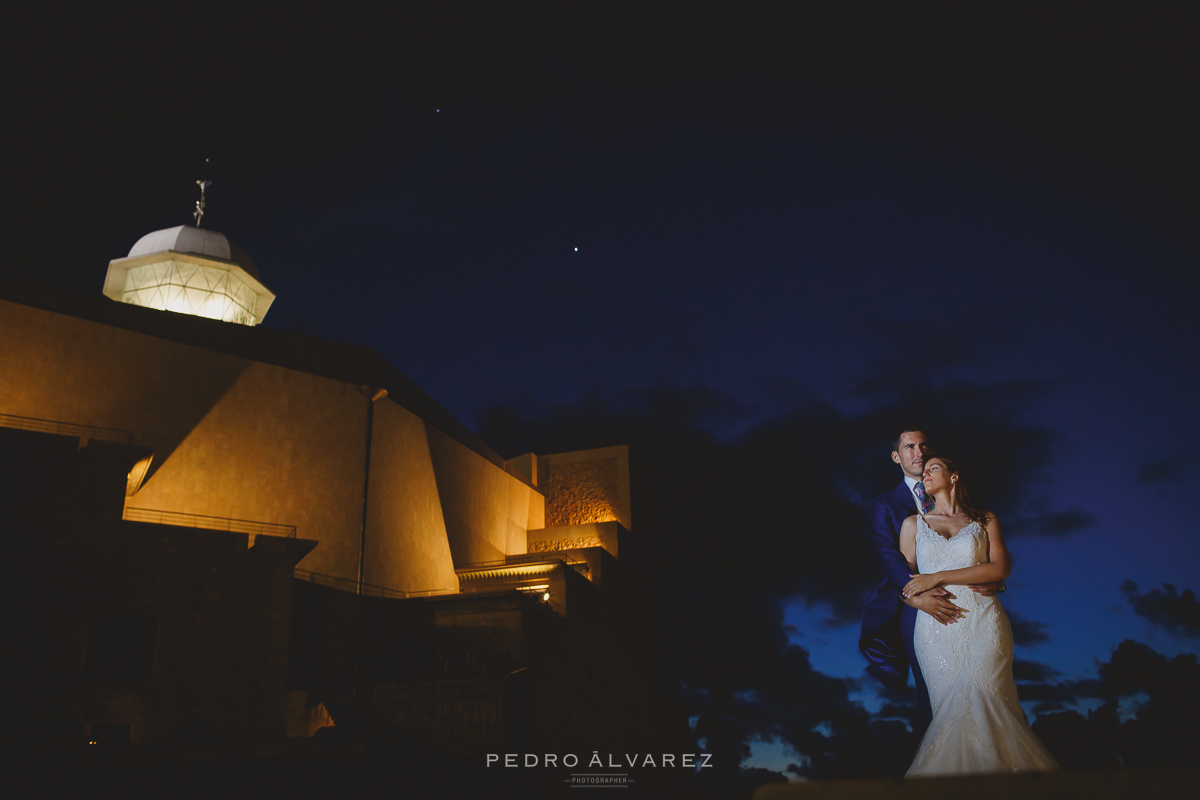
{"x":888,"y":619}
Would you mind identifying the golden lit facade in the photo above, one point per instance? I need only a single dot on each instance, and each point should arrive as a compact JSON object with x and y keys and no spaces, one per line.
{"x":272,"y":431}
{"x":271,"y":481}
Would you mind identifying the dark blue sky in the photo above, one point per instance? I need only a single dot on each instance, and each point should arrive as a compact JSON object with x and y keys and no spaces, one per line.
{"x":821,"y":208}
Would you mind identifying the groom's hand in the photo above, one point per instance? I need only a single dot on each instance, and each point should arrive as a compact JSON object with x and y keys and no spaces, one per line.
{"x":936,"y":603}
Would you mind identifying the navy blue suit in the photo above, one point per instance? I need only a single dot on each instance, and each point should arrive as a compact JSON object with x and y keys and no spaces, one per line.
{"x":887,"y":627}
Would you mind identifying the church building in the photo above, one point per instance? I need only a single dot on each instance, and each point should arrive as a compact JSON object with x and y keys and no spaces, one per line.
{"x":249,"y":532}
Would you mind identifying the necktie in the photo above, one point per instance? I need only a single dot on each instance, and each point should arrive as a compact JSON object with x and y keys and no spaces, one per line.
{"x":925,"y":501}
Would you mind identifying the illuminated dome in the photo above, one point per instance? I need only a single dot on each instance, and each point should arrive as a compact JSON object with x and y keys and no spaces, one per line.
{"x":197,"y":241}
{"x":190,"y":270}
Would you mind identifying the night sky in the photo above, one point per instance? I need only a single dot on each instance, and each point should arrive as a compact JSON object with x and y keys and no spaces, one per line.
{"x":747,"y":247}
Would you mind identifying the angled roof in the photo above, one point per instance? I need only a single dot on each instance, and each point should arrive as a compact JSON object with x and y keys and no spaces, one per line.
{"x":197,"y":241}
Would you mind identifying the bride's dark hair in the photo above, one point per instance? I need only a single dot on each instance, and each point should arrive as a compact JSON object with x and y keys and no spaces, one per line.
{"x":962,"y":495}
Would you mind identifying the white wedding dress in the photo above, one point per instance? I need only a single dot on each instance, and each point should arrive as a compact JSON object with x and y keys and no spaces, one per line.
{"x":977,"y":726}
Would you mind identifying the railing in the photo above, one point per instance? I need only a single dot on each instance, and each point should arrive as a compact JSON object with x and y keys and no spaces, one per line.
{"x":209,"y":523}
{"x":539,"y":556}
{"x":83,"y":432}
{"x":368,"y":589}
{"x":464,"y":715}
{"x":452,"y":691}
{"x":372,"y":590}
{"x":579,"y":565}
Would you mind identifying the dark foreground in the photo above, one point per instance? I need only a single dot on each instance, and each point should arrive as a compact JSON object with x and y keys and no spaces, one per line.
{"x":1122,"y":784}
{"x":408,"y":769}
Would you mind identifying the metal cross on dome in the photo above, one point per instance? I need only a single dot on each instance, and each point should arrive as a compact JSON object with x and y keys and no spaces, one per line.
{"x":199,"y":212}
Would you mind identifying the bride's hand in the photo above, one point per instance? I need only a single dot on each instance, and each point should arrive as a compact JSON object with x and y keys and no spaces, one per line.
{"x":921,"y":584}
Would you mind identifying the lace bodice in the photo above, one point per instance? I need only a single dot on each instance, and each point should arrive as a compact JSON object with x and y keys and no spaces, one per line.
{"x":936,"y":553}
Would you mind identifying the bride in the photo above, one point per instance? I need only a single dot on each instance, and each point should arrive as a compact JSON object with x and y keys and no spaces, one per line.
{"x":977,"y":722}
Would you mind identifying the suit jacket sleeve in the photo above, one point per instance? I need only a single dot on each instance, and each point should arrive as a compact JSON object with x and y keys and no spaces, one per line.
{"x":886,"y":538}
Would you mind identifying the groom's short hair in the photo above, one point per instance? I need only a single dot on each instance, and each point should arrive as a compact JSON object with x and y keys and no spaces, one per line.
{"x":911,"y":427}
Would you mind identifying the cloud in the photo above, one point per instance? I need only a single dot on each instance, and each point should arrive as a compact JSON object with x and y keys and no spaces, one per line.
{"x":1033,"y":671}
{"x":1165,"y":470}
{"x":896,"y":711}
{"x":1027,"y":631}
{"x":1063,"y":523}
{"x":1176,"y":612}
{"x":1160,"y":734}
{"x":1046,"y":708}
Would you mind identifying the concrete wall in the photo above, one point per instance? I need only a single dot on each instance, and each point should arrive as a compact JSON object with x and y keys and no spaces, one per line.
{"x":486,"y":510}
{"x":586,"y":486}
{"x":406,"y":545}
{"x":57,"y":367}
{"x":232,"y":438}
{"x":570,"y":537}
{"x":435,"y":504}
{"x":279,"y":446}
{"x":241,"y":439}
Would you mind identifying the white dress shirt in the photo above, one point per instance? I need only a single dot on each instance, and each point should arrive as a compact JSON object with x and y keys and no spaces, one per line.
{"x":912,"y":488}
